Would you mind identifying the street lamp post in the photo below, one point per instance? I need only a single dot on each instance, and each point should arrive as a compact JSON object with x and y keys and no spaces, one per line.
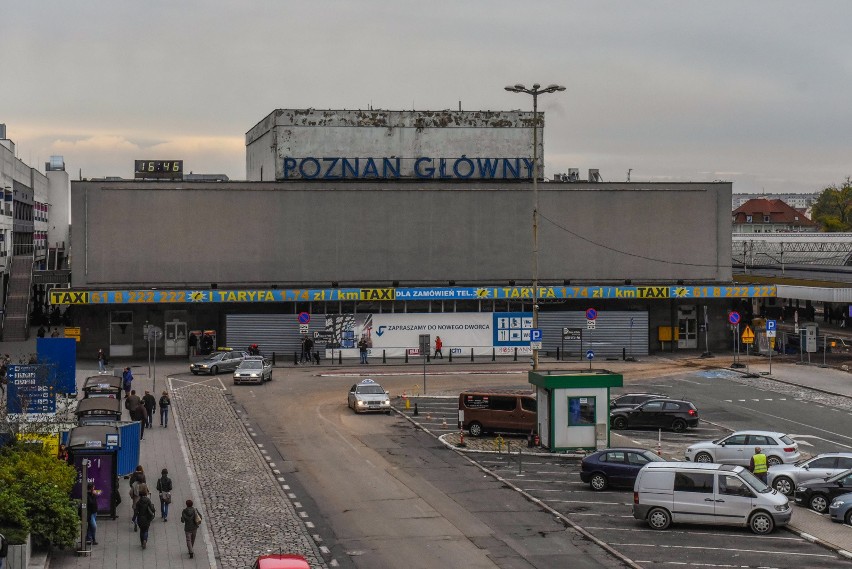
{"x":535,"y":92}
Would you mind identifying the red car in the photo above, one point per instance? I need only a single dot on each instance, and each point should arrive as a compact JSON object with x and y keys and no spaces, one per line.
{"x":281,"y":561}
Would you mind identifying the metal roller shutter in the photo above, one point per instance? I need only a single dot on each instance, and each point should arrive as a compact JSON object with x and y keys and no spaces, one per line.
{"x":277,"y":333}
{"x":611,"y":335}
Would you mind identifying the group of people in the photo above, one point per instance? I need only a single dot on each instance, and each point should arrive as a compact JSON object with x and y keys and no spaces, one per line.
{"x":142,"y":409}
{"x":144,"y":511}
{"x":308,"y":353}
{"x":42,"y":332}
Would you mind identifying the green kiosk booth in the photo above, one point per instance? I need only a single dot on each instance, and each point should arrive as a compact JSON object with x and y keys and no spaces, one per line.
{"x":573,"y":408}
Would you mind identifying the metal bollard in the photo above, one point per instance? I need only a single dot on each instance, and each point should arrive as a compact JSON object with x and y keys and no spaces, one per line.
{"x":416,"y":412}
{"x":471,"y":354}
{"x":557,"y":354}
{"x":493,"y":355}
{"x":406,"y":356}
{"x":384,"y":357}
{"x":516,"y":354}
{"x":451,"y":356}
{"x":340,"y":356}
{"x":273,"y":358}
{"x":520,"y":459}
{"x":295,"y":359}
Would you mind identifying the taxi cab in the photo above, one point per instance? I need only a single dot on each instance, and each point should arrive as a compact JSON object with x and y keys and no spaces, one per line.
{"x":281,"y":561}
{"x":368,"y":396}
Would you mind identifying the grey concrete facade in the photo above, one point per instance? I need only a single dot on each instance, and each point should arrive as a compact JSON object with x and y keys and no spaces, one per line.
{"x":313,"y":233}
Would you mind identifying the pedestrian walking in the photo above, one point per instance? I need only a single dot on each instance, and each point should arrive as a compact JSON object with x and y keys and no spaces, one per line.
{"x":137,"y":482}
{"x":127,"y":381}
{"x":164,"y":487}
{"x":191,"y":519}
{"x":438,"y":345}
{"x":145,"y":513}
{"x":150,"y":404}
{"x":165,"y":403}
{"x":62,"y":454}
{"x":101,"y":361}
{"x":140,"y":414}
{"x":55,"y":333}
{"x":92,"y":514}
{"x":362,"y":349}
{"x":132,"y":401}
{"x":757,"y":465}
{"x":192,"y":342}
{"x":41,"y":332}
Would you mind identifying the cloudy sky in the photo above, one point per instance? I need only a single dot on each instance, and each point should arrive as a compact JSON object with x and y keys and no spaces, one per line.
{"x":756,"y":92}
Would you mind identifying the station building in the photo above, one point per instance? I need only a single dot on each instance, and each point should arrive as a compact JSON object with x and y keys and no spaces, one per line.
{"x":385,"y":225}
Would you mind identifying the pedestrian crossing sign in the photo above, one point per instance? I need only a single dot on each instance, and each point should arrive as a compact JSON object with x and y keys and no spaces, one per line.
{"x":748,"y":335}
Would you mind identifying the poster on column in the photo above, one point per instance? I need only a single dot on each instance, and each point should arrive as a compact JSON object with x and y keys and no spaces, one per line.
{"x":394,"y":334}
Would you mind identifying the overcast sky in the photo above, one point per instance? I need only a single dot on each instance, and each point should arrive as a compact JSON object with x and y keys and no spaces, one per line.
{"x":755,"y":92}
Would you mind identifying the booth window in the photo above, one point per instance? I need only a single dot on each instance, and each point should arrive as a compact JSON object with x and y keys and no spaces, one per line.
{"x":581,"y":411}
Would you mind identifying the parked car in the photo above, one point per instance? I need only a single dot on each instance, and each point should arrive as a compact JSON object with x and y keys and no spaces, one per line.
{"x":615,"y":466}
{"x":819,"y":494}
{"x":840,"y":509}
{"x":738,"y":448}
{"x":723,"y":494}
{"x":657,"y":413}
{"x":368,"y":396}
{"x":281,"y":561}
{"x":215,"y":363}
{"x":634,"y":399}
{"x":785,"y":477}
{"x":253,"y":369}
{"x":497,"y":411}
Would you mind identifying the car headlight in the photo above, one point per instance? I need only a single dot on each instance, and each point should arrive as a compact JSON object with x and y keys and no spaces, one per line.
{"x":360,"y":403}
{"x":782,"y":508}
{"x":254,"y":375}
{"x":801,"y":489}
{"x":202,"y":365}
{"x":386,"y":402}
{"x":837,"y":503}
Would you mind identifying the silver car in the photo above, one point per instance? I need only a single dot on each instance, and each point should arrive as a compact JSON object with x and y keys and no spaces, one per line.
{"x":253,"y":369}
{"x":785,"y":477}
{"x":215,"y":363}
{"x":368,"y":396}
{"x":738,"y":448}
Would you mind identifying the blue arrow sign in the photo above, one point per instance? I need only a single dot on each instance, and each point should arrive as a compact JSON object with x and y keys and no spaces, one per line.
{"x":590,"y":355}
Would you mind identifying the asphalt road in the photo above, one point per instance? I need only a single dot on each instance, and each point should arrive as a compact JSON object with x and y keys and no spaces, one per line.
{"x":391,"y":495}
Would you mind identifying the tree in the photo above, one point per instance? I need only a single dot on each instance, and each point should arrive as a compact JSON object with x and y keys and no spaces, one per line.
{"x":35,"y":496}
{"x":833,"y":208}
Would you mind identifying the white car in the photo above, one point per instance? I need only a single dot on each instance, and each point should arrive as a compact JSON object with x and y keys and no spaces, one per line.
{"x":254,"y":369}
{"x":738,"y":448}
{"x":785,"y":477}
{"x":368,"y":396}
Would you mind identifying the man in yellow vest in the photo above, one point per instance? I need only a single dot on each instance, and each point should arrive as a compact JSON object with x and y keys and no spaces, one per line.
{"x":758,"y":465}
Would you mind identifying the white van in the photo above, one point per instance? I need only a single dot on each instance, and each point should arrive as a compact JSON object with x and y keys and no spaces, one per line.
{"x":723,"y":494}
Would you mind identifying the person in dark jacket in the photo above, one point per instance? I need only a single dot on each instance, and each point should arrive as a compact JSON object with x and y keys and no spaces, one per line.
{"x":145,"y":513}
{"x":190,"y":526}
{"x":165,"y":403}
{"x":127,"y":381}
{"x":164,"y":487}
{"x":92,"y":513}
{"x":132,"y":401}
{"x":150,"y":404}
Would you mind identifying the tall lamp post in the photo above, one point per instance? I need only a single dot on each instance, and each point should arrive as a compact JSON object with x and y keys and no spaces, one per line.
{"x":535,"y":92}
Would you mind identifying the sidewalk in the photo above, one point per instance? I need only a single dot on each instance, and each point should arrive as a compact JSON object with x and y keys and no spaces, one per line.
{"x":118,"y":545}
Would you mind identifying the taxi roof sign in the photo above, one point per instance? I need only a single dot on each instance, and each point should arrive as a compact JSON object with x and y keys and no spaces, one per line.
{"x":367,"y":381}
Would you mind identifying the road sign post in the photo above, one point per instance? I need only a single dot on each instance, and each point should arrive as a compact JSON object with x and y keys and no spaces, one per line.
{"x":734,"y":320}
{"x":590,"y":355}
{"x":771,"y":331}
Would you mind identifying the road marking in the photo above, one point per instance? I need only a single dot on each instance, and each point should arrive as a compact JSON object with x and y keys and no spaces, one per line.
{"x":777,"y":418}
{"x":589,"y":502}
{"x":725,"y":535}
{"x":722,"y":549}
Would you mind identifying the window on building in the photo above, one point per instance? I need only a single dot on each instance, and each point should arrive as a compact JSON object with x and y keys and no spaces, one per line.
{"x":581,"y":411}
{"x":748,"y":219}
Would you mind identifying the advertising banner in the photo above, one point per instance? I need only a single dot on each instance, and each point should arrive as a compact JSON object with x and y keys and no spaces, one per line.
{"x":101,"y":472}
{"x":30,"y":389}
{"x":396,"y":334}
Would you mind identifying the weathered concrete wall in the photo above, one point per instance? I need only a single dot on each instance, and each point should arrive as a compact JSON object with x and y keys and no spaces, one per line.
{"x":310,"y":233}
{"x":407,"y":135}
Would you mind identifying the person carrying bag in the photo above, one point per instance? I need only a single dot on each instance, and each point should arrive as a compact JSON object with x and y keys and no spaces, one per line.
{"x":164,"y":487}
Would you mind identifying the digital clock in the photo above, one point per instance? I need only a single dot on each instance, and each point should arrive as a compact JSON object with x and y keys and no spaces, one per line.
{"x":172,"y":169}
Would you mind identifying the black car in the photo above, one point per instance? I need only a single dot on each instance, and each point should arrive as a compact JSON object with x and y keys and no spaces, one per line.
{"x":818,"y":494}
{"x":615,"y":466}
{"x":634,"y":399}
{"x":657,"y":413}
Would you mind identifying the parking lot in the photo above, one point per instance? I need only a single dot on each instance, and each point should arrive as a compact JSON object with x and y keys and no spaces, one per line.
{"x":554,"y":481}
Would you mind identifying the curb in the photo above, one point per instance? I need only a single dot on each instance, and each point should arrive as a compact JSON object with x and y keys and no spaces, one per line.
{"x":821,"y":542}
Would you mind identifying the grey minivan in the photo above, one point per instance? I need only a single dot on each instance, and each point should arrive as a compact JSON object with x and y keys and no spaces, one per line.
{"x":721,"y":494}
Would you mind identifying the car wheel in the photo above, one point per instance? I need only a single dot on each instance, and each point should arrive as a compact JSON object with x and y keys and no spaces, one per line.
{"x":678,"y":425}
{"x":598,"y":482}
{"x":784,"y":485}
{"x":703,"y":457}
{"x":819,"y":503}
{"x":774,"y":461}
{"x":619,"y":423}
{"x":849,"y":518}
{"x":761,"y":523}
{"x":214,"y":370}
{"x":475,"y":429}
{"x":659,"y":518}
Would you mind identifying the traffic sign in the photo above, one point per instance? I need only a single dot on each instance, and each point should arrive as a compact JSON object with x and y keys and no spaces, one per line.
{"x":572,"y":334}
{"x":748,"y":335}
{"x":304,"y":318}
{"x":535,"y":345}
{"x":535,"y":335}
{"x":771,"y":325}
{"x":304,"y":328}
{"x":591,"y":314}
{"x":734,"y":317}
{"x":590,"y":354}
{"x":590,"y":324}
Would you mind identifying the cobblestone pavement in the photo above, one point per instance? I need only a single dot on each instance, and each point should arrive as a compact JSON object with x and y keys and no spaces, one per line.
{"x":245,"y":501}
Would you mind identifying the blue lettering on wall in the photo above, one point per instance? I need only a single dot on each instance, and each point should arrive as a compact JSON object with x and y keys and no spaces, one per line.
{"x":390,"y":168}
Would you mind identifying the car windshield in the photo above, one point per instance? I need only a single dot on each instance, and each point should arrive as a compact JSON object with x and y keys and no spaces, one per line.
{"x":217,"y":357}
{"x":370,"y":389}
{"x":251,"y":365}
{"x":755,"y":482}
